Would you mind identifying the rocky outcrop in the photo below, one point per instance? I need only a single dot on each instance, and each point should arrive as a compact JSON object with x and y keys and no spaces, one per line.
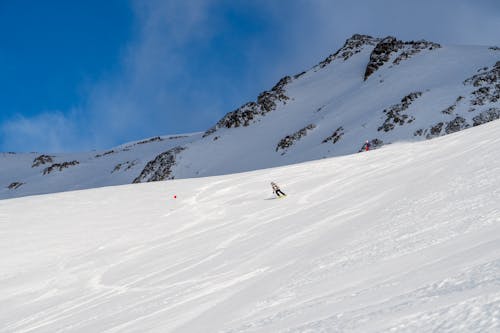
{"x":442,"y":128}
{"x":451,"y":108}
{"x":413,"y":47}
{"x":109,"y":152}
{"x":488,"y":84}
{"x":435,"y":130}
{"x":15,"y":185}
{"x":456,"y":125}
{"x":42,"y":159}
{"x":59,"y":166}
{"x":289,"y":140}
{"x":335,"y":137}
{"x":383,"y":51}
{"x":486,"y":116}
{"x":245,"y":115}
{"x":381,"y":54}
{"x":155,"y":139}
{"x":125,"y":166}
{"x":394,"y":114}
{"x":160,"y":168}
{"x":351,"y":46}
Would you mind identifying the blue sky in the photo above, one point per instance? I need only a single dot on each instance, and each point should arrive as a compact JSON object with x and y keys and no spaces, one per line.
{"x":81,"y":75}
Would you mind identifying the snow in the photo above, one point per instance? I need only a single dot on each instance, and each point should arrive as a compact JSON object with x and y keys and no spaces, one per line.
{"x":330,"y":97}
{"x":402,"y":239}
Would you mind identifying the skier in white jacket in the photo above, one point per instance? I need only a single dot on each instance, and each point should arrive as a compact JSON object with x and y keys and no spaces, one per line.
{"x":277,"y":190}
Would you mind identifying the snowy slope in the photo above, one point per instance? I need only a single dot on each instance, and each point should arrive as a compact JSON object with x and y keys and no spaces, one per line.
{"x":401,"y":239}
{"x":120,"y":165}
{"x":381,"y":90}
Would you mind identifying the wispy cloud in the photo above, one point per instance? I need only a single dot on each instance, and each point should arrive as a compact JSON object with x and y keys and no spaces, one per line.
{"x":189,"y":62}
{"x":48,"y":132}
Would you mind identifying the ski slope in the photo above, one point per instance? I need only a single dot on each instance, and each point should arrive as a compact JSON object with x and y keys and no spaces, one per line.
{"x":402,"y":239}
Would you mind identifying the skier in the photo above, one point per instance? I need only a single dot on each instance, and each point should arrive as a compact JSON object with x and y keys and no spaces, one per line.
{"x":366,"y":146}
{"x":277,"y":190}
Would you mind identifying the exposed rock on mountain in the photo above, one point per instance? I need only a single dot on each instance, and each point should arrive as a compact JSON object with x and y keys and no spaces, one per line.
{"x":42,"y":159}
{"x":336,"y":136}
{"x":155,"y":139}
{"x":488,"y":84}
{"x":289,"y":140}
{"x":382,"y":52}
{"x":395,"y":115}
{"x":351,"y":46}
{"x":381,"y":88}
{"x":59,"y":166}
{"x":456,"y":125}
{"x":266,"y":102}
{"x":160,"y":168}
{"x":435,"y":130}
{"x":109,"y":152}
{"x":15,"y":185}
{"x":451,"y":108}
{"x":486,"y":116}
{"x":125,"y":166}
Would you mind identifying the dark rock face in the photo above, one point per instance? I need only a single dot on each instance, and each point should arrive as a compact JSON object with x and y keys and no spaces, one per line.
{"x":289,"y":140}
{"x":451,"y":108}
{"x":435,"y":130}
{"x":155,"y":139}
{"x":414,"y":47}
{"x":336,"y":136}
{"x":394,"y":114}
{"x":486,"y":116}
{"x":456,"y":125}
{"x":418,"y":132}
{"x":42,"y":159}
{"x":488,"y":84}
{"x":160,"y":168}
{"x":381,"y":54}
{"x":59,"y":166}
{"x":124,"y":166}
{"x":15,"y":185}
{"x":245,"y":115}
{"x":109,"y":152}
{"x":351,"y":46}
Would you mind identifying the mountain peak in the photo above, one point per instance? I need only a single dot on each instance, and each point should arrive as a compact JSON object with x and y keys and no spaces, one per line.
{"x":380,"y":90}
{"x":352,"y":45}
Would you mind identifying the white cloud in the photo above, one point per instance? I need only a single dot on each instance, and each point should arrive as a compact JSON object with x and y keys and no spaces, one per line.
{"x":47,"y":132}
{"x":164,"y":85}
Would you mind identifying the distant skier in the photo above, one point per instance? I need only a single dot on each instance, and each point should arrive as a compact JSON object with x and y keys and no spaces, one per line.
{"x":366,"y":146}
{"x":277,"y":190}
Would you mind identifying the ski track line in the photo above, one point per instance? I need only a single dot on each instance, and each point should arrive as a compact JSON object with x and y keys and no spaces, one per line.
{"x":411,"y":301}
{"x":213,"y":289}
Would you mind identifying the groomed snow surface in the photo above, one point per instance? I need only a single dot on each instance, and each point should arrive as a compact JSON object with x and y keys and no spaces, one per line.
{"x":403,"y":239}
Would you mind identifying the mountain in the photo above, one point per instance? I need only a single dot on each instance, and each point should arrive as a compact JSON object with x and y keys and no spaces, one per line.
{"x":381,"y":90}
{"x":401,"y":239}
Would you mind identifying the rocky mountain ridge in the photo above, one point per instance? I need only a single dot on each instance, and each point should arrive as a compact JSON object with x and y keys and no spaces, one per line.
{"x":380,"y":90}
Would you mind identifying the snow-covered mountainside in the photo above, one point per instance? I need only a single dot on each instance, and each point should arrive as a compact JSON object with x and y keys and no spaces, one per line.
{"x":378,"y":89}
{"x":401,"y":239}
